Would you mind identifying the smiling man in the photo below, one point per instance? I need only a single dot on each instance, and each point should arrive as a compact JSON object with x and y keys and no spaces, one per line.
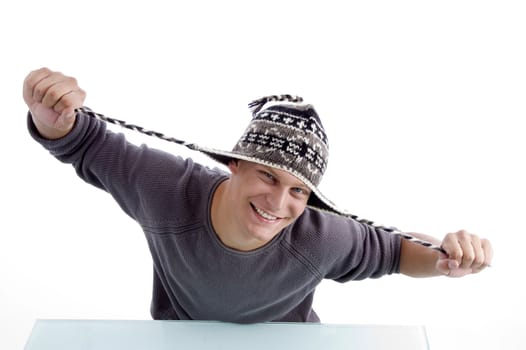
{"x":248,"y":245}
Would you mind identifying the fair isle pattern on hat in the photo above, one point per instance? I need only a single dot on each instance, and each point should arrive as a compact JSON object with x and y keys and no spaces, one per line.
{"x":289,"y":136}
{"x":317,"y":200}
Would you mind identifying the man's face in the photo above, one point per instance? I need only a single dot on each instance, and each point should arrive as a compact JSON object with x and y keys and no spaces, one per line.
{"x":265,"y":200}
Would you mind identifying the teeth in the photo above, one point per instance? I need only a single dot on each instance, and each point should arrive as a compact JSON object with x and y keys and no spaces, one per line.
{"x":265,"y":215}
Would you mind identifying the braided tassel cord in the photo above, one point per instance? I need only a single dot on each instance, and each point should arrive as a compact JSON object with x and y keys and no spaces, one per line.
{"x":417,"y":240}
{"x":194,"y":147}
{"x":397,"y":232}
{"x":137,"y":128}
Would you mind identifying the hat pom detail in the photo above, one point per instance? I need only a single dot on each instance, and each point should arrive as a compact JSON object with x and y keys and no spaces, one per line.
{"x":256,"y":105}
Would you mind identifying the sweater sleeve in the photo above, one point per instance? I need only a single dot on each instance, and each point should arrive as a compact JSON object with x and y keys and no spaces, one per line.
{"x":371,"y":253}
{"x":344,"y":249}
{"x":136,"y":176}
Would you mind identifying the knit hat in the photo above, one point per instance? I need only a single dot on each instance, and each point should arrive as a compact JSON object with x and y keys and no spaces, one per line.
{"x":287,"y":134}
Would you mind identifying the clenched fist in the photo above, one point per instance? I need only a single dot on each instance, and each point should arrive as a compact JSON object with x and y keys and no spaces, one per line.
{"x":52,"y":98}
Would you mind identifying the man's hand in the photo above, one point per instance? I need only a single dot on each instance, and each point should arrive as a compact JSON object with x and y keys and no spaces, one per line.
{"x":52,"y":99}
{"x":467,"y":253}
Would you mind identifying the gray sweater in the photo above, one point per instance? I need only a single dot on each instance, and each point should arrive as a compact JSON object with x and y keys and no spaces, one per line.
{"x":195,"y":276}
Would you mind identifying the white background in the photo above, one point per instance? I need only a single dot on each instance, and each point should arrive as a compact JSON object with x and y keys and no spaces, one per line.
{"x":422,"y":101}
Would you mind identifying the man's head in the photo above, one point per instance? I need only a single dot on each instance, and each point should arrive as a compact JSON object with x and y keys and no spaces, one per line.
{"x":285,"y":134}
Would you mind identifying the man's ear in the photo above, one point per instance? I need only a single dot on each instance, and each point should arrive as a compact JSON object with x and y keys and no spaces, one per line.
{"x":233,"y":165}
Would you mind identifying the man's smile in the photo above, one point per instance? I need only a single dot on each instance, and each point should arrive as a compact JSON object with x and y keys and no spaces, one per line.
{"x":264,"y":214}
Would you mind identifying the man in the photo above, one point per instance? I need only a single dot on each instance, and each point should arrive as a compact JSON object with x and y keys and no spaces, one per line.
{"x":246,"y":246}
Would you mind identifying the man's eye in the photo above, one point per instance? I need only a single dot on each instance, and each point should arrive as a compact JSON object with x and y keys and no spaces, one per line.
{"x":267,"y":175}
{"x":299,"y":190}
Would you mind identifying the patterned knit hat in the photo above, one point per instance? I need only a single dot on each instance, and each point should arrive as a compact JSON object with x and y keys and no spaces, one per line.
{"x":285,"y":134}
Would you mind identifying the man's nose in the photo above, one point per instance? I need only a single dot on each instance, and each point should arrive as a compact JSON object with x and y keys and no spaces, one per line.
{"x":277,"y":198}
